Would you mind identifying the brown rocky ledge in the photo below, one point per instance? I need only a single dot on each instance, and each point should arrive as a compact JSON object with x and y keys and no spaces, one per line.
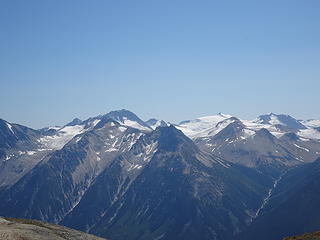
{"x":26,"y":229}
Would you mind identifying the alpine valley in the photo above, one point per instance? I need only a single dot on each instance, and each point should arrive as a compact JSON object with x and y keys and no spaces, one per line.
{"x":119,"y":177}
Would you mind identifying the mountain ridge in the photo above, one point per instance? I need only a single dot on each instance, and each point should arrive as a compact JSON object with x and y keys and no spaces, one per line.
{"x":120,"y":177}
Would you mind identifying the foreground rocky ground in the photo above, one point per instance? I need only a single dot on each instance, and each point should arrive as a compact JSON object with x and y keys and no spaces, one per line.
{"x":25,"y":229}
{"x":306,"y":236}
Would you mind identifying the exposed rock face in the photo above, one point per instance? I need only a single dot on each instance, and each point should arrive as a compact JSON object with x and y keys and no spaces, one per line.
{"x":24,"y":229}
{"x":293,"y":207}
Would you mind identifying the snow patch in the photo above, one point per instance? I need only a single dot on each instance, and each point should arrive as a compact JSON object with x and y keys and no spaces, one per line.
{"x":78,"y":139}
{"x":199,"y":127}
{"x":41,"y":149}
{"x":305,"y":149}
{"x":122,"y":129}
{"x":112,"y":149}
{"x":134,"y":166}
{"x":224,"y":164}
{"x":8,"y":157}
{"x":31,"y":152}
{"x":309,"y":133}
{"x":267,"y":198}
{"x":247,"y":133}
{"x":95,"y":122}
{"x":10,"y":127}
{"x":134,"y":124}
{"x":62,"y":137}
{"x":311,"y":123}
{"x":150,"y":148}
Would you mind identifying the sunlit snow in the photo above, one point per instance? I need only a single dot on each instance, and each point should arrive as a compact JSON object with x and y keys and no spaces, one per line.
{"x":10,"y":127}
{"x":63,"y":136}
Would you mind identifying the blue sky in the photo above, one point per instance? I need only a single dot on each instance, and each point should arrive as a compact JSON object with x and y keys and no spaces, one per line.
{"x":169,"y":59}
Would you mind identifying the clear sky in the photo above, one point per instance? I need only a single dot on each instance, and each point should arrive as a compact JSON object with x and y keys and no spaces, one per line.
{"x":169,"y":59}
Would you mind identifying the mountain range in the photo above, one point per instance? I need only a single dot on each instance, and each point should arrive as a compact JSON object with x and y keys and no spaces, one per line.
{"x":119,"y":177}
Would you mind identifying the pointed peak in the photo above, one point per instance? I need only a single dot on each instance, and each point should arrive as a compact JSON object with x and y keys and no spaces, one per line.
{"x":170,"y":138}
{"x":106,"y":122}
{"x":169,"y":129}
{"x":75,"y":121}
{"x":263,"y":132}
{"x":154,"y":123}
{"x":233,"y":129}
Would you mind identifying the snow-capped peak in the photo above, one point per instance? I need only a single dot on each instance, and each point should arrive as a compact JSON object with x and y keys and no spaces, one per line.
{"x":191,"y":128}
{"x":313,"y":123}
{"x":280,"y":119}
{"x":129,"y":119}
{"x":154,"y":123}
